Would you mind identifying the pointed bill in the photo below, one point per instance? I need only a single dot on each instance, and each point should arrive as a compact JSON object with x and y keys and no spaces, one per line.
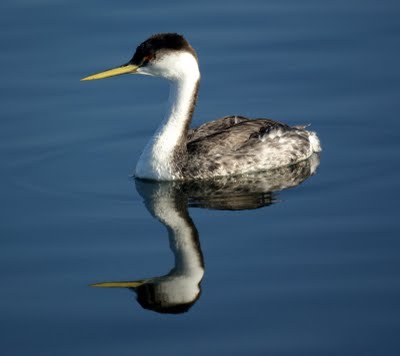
{"x":124,"y":69}
{"x":132,"y":284}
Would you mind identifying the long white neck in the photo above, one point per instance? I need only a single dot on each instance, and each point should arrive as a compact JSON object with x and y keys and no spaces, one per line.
{"x":166,"y":150}
{"x":183,"y":239}
{"x":181,"y":284}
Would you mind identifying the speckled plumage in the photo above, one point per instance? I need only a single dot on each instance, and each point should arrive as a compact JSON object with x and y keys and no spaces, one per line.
{"x":232,"y":145}
{"x":235,"y":145}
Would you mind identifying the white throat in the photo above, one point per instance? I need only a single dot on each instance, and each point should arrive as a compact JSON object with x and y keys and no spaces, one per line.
{"x":157,"y":159}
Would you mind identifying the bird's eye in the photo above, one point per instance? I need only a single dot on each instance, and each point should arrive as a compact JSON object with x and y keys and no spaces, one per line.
{"x":147,"y":59}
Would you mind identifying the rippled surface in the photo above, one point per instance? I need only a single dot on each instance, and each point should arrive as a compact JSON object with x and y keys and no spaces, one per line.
{"x":317,"y":272}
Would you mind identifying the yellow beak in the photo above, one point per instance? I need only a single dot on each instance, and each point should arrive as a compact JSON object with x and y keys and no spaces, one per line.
{"x":133,"y":284}
{"x":124,"y":69}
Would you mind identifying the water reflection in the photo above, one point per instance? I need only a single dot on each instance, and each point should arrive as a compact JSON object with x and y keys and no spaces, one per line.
{"x":168,"y":202}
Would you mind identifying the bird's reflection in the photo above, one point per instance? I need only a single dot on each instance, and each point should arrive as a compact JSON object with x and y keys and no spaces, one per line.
{"x":168,"y":202}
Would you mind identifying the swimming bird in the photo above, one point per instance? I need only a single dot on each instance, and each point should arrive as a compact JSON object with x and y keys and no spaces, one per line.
{"x":232,"y":145}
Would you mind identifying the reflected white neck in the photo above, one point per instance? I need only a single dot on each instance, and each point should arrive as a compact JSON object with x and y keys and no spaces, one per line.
{"x":181,"y":284}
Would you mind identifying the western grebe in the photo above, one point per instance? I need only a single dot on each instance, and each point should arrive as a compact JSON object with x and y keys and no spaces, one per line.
{"x":231,"y":145}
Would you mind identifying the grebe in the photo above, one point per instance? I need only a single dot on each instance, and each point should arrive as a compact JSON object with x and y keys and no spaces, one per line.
{"x":232,"y":145}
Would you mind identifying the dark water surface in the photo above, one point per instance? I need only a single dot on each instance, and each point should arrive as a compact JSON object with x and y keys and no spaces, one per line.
{"x":315,"y":273}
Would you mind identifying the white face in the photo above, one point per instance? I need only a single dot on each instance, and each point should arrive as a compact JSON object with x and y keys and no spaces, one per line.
{"x":172,"y":65}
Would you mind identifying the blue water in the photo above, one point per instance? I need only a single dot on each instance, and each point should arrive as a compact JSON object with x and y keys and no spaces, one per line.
{"x":315,"y":273}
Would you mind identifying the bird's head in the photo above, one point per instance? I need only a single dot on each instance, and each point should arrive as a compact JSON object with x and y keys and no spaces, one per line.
{"x":166,"y":55}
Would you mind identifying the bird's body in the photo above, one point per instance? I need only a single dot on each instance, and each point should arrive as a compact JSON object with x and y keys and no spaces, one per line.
{"x":237,"y":145}
{"x":232,"y":145}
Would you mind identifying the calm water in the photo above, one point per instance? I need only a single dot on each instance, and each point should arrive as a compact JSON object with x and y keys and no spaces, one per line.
{"x":315,"y":273}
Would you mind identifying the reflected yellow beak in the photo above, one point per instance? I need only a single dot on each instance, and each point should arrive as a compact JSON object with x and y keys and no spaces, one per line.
{"x":133,"y":284}
{"x":125,"y":69}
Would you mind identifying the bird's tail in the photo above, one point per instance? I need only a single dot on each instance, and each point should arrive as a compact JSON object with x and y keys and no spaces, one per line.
{"x":314,"y":142}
